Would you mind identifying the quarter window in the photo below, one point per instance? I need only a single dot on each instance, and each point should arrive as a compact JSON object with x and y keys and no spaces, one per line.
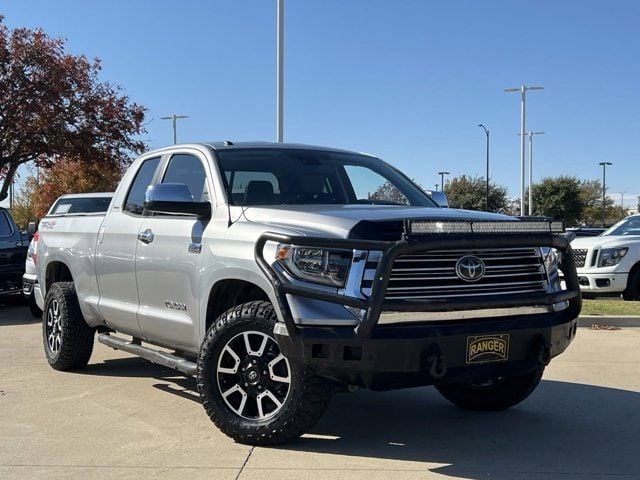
{"x":143,"y":178}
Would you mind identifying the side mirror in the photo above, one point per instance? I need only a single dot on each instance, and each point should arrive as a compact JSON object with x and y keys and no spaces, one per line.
{"x":174,"y":198}
{"x":31,"y":229}
{"x":439,"y":197}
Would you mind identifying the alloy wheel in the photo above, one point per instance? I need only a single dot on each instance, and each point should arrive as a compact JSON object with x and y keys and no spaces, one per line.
{"x":253,"y":376}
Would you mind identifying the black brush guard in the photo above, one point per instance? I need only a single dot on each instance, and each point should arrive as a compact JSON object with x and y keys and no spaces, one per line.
{"x":398,"y":356}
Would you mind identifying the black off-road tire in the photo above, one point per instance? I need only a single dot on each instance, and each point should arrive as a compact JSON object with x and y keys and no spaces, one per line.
{"x":76,"y":337}
{"x":632,"y":292}
{"x":499,"y":394}
{"x":308,"y":395}
{"x":33,"y":307}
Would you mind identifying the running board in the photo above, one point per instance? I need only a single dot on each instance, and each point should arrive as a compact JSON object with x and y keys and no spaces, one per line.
{"x":155,"y":356}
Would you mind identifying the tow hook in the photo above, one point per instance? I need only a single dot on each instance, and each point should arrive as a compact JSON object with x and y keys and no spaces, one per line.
{"x":544,"y":353}
{"x":437,"y":365}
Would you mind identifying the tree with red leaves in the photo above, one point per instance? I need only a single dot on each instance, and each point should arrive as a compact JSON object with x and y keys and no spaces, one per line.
{"x":52,"y":106}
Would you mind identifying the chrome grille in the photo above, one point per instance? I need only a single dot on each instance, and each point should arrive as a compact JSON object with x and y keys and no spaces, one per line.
{"x":580,"y":257}
{"x":432,"y":275}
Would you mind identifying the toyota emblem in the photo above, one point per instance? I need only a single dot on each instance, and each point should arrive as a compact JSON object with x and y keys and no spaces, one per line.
{"x":470,"y":268}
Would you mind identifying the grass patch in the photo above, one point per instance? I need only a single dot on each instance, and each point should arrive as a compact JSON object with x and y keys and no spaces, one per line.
{"x":610,"y":307}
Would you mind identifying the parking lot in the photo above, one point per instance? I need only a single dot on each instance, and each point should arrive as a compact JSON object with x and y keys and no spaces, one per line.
{"x":125,"y":418}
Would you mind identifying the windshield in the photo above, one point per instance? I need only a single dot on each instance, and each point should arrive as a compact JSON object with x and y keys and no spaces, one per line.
{"x":302,"y":177}
{"x":627,"y":226}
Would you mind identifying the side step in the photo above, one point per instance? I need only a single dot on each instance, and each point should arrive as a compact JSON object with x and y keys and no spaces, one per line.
{"x":155,"y":356}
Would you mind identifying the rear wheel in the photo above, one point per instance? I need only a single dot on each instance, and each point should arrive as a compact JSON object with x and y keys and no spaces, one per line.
{"x":497,"y":393}
{"x":632,"y":291}
{"x":249,"y":389}
{"x":68,"y":340}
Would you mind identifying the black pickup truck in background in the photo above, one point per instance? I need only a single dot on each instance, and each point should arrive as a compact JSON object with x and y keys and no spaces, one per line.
{"x":13,"y":252}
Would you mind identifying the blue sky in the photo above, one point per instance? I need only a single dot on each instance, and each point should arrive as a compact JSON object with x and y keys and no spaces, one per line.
{"x":406,"y":80}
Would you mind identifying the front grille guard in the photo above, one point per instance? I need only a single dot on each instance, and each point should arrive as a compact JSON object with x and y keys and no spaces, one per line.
{"x":376,"y":303}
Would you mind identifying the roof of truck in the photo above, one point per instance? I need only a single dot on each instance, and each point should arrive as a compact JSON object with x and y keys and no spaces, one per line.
{"x":84,"y":195}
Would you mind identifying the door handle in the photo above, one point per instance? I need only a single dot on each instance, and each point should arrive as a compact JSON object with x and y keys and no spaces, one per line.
{"x":146,"y":236}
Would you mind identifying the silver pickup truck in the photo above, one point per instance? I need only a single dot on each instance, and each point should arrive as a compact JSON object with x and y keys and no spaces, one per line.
{"x":277,"y":274}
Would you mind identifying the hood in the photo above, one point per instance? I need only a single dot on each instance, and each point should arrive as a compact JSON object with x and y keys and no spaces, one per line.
{"x":339,"y":220}
{"x":607,"y":241}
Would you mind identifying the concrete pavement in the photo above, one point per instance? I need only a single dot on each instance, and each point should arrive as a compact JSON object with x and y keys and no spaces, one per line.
{"x":125,"y":418}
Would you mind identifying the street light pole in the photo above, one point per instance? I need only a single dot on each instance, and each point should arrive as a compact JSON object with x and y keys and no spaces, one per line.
{"x":523,"y":100}
{"x":436,"y":185}
{"x":604,"y":186}
{"x":530,"y":134}
{"x":486,"y":200}
{"x":280,"y":72}
{"x":174,"y":119}
{"x":442,"y":174}
{"x":622,"y":198}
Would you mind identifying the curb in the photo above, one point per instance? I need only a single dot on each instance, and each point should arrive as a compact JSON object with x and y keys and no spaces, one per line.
{"x":606,"y":321}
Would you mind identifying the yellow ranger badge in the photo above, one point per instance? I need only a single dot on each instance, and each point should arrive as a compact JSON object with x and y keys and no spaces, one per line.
{"x":487,"y":348}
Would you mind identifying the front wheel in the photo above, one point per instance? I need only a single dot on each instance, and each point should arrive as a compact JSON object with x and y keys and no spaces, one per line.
{"x":248,"y":388}
{"x":492,"y":394}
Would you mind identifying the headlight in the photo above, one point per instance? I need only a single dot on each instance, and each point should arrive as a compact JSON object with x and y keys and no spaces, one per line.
{"x":611,"y":256}
{"x":320,"y":265}
{"x":552,"y":258}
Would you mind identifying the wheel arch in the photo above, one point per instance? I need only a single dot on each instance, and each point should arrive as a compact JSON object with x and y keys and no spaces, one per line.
{"x":56,"y":271}
{"x":230,"y":292}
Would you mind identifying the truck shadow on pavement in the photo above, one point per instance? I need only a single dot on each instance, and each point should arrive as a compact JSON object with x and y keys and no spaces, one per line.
{"x":563,"y":429}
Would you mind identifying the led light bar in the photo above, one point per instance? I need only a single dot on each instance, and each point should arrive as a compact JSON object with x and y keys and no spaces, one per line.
{"x":435,"y":227}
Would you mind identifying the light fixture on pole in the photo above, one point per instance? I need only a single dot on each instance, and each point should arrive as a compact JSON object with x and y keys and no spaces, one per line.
{"x":174,"y":119}
{"x":530,"y":134}
{"x":523,"y":89}
{"x":280,"y":71}
{"x":442,"y":174}
{"x":604,"y":186}
{"x":486,"y":199}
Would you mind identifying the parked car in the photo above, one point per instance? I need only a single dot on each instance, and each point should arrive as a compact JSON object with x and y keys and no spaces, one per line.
{"x":71,"y":204}
{"x":610,"y":263}
{"x":13,"y":251}
{"x":274,"y":272}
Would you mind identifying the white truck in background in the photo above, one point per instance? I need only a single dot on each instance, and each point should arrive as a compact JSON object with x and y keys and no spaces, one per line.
{"x":609,"y":264}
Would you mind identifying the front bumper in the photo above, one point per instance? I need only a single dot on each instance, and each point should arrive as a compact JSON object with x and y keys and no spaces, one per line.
{"x":602,"y":282}
{"x":381,"y":356}
{"x":416,"y":355}
{"x":10,"y":283}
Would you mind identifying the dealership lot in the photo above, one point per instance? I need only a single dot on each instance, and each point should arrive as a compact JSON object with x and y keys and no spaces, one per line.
{"x":125,"y":418}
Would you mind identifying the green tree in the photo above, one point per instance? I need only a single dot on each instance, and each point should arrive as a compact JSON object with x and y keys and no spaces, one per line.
{"x":470,"y":193}
{"x":24,"y":208}
{"x":591,"y":194}
{"x":560,"y":198}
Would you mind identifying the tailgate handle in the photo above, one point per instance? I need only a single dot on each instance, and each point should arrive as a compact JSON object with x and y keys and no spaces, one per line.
{"x":146,"y":236}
